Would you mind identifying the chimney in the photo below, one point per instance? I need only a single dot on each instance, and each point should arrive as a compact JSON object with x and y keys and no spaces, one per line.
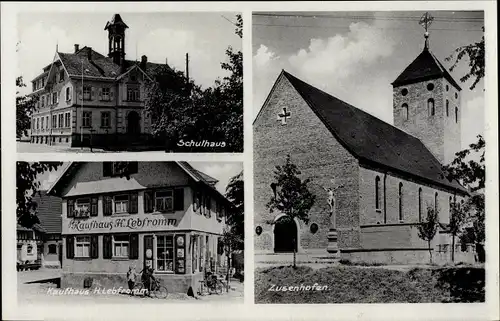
{"x":144,"y":60}
{"x":166,"y":61}
{"x":77,"y":47}
{"x":89,"y":53}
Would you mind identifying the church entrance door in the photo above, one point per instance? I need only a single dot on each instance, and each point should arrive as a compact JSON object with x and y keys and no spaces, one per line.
{"x":285,"y":236}
{"x":133,"y":126}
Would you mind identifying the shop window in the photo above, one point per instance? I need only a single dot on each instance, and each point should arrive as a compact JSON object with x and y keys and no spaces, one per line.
{"x":120,"y":245}
{"x":165,"y":253}
{"x":164,"y":201}
{"x":82,"y":246}
{"x":121,"y":203}
{"x":52,"y":249}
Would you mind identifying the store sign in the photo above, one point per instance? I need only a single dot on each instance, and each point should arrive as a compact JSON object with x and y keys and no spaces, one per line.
{"x":119,"y":224}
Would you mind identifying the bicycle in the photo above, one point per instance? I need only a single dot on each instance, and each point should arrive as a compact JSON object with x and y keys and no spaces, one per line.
{"x":211,"y":284}
{"x":157,"y":290}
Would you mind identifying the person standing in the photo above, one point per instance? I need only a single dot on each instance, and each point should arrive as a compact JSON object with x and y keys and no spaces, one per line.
{"x":131,"y":278}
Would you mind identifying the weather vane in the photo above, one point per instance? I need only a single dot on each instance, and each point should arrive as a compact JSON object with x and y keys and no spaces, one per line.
{"x":425,"y":22}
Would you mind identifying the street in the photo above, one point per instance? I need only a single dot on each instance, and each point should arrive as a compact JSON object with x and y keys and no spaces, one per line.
{"x":43,"y":290}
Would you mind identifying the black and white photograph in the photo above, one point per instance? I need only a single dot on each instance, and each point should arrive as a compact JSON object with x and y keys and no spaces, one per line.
{"x":114,"y":82}
{"x":129,"y":232}
{"x":369,"y":156}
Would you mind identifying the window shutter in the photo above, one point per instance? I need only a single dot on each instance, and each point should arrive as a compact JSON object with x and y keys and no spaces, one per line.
{"x":134,"y":247}
{"x":100,"y":93}
{"x":93,"y":206}
{"x":70,"y":247}
{"x":148,"y":202}
{"x":133,"y":203}
{"x":70,"y":208}
{"x":94,"y":246}
{"x":107,"y":250}
{"x":108,"y":206}
{"x":179,"y":199}
{"x":107,"y":169}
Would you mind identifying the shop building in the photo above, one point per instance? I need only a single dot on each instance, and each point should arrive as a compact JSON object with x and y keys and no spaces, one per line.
{"x":166,"y":215}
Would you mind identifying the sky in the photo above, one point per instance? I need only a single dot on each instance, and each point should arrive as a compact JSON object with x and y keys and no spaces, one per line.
{"x":355,"y":56}
{"x":159,"y":36}
{"x":222,"y":171}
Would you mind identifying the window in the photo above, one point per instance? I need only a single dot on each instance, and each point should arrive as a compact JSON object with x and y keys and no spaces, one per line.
{"x":436,"y":205}
{"x":87,"y":119}
{"x":405,"y":111}
{"x":82,"y":246}
{"x":61,"y":75}
{"x":164,"y":201}
{"x":404,"y":92}
{"x":52,"y":249}
{"x":43,"y":122}
{"x":377,"y":192}
{"x":447,"y":108}
{"x":456,"y":95}
{"x":430,"y":106}
{"x":30,"y":249}
{"x":401,"y":217}
{"x":165,"y":253}
{"x":120,"y":245}
{"x":105,"y":94}
{"x":456,"y":114}
{"x":420,"y":204}
{"x":121,"y":204}
{"x":105,"y":116}
{"x":87,"y":90}
{"x":133,"y":94}
{"x":49,"y":100}
{"x":447,"y":88}
{"x":430,"y":86}
{"x":38,"y":123}
{"x":119,"y":168}
{"x":43,"y":101}
{"x":68,"y":94}
{"x":47,"y":121}
{"x":55,"y":99}
{"x":61,"y":120}
{"x":82,"y":207}
{"x":43,"y":82}
{"x":67,"y":120}
{"x":54,"y":121}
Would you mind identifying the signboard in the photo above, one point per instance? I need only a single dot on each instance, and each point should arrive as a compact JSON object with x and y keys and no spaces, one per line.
{"x":130,"y":223}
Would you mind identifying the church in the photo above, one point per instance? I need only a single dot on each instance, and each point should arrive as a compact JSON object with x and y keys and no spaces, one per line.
{"x":373,"y":181}
{"x":87,"y":98}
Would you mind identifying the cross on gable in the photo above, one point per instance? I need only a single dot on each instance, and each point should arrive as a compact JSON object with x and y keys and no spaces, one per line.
{"x":283,"y":116}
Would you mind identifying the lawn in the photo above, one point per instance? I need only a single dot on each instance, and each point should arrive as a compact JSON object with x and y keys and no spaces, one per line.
{"x":351,"y":284}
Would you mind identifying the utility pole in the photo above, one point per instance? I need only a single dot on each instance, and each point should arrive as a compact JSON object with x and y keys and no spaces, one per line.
{"x":81,"y":126}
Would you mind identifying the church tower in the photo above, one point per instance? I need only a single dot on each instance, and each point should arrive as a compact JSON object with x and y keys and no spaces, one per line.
{"x":116,"y":38}
{"x":426,"y":103}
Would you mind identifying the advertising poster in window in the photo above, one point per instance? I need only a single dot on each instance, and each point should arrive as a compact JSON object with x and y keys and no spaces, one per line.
{"x":180,"y":250}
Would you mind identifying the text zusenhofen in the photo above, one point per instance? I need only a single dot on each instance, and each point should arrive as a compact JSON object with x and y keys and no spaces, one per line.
{"x":297,"y":288}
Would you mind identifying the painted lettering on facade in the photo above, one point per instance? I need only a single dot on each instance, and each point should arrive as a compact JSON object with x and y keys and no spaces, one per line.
{"x":119,"y":224}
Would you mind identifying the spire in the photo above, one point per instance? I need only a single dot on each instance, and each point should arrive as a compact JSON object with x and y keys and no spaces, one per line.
{"x":425,"y":22}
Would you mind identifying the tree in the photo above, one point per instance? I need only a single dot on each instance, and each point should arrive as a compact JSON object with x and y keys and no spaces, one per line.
{"x":427,"y":229}
{"x":457,"y":220}
{"x":291,"y":197}
{"x":475,"y":53}
{"x":27,"y":185}
{"x":471,"y":172}
{"x":25,"y":106}
{"x":186,"y":112}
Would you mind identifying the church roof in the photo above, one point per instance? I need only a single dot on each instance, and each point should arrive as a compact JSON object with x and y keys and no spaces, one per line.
{"x":371,"y":139}
{"x":98,"y":65}
{"x":425,"y":67}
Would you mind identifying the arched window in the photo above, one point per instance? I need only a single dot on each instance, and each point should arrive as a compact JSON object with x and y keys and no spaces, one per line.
{"x":401,"y":201}
{"x":377,"y":192}
{"x":436,"y":205}
{"x":430,"y":107}
{"x":456,"y":114}
{"x":405,"y":111}
{"x":447,"y":108}
{"x":420,"y":204}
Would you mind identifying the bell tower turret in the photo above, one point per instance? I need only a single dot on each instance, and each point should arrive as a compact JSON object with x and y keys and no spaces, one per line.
{"x":116,"y":38}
